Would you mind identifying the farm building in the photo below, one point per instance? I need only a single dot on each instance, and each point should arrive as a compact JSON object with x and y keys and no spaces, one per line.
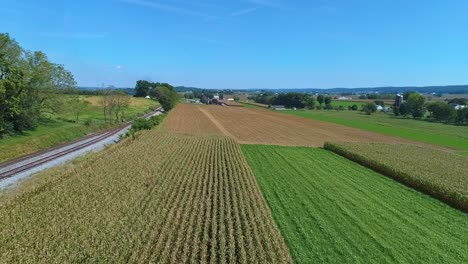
{"x":398,"y":100}
{"x":459,"y":107}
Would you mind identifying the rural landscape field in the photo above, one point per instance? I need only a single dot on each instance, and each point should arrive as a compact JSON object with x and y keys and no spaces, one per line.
{"x":243,"y":131}
{"x":200,"y":188}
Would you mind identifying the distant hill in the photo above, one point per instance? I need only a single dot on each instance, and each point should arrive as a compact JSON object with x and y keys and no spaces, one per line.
{"x":449,"y":89}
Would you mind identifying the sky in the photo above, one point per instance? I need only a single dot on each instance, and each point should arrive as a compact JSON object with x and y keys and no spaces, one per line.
{"x":236,"y":44}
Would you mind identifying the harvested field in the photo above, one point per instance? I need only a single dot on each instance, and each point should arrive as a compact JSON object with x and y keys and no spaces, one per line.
{"x":257,"y":126}
{"x":438,"y":173}
{"x":160,"y":198}
{"x":189,"y":119}
{"x":332,"y":210}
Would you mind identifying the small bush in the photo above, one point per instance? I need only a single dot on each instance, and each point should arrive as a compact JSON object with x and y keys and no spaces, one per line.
{"x":141,"y":124}
{"x":88,"y":122}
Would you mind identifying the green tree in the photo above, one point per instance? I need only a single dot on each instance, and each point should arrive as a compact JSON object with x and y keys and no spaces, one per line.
{"x":407,"y":94}
{"x":142,"y":88}
{"x":354,"y":107}
{"x":369,"y":108}
{"x":415,"y":105}
{"x":29,"y":86}
{"x":327,"y":100}
{"x":76,"y":106}
{"x":462,"y":116}
{"x":13,"y":70}
{"x":310,"y":102}
{"x":320,"y":99}
{"x":403,"y":109}
{"x":442,"y":111}
{"x":166,"y":96}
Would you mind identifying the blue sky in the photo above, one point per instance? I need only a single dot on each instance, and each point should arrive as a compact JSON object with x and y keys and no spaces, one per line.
{"x":248,"y":43}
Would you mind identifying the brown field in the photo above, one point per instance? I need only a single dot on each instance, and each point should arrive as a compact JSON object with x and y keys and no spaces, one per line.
{"x":188,"y":119}
{"x":258,"y":126}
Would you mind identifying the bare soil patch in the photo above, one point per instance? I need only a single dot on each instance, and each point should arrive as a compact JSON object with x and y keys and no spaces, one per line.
{"x":188,"y":119}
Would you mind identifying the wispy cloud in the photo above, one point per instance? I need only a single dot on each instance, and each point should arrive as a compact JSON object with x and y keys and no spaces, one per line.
{"x":244,"y":11}
{"x":167,"y":8}
{"x":76,"y":35}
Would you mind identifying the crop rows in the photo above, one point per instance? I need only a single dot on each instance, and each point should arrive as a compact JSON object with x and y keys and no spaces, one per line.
{"x":163,"y":198}
{"x":438,"y":173}
{"x":332,"y":210}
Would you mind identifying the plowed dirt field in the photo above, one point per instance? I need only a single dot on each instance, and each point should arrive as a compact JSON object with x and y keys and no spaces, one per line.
{"x":258,"y":126}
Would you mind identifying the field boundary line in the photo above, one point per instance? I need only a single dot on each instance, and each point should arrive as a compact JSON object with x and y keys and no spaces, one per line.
{"x":217,"y":124}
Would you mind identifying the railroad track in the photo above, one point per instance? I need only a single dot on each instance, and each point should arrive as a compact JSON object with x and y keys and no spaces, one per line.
{"x":25,"y":163}
{"x":38,"y":159}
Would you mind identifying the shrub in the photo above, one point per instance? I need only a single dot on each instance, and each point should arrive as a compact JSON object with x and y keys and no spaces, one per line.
{"x":140,"y":124}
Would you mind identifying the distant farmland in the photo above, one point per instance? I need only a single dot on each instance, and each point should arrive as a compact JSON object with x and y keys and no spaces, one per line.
{"x":449,"y":136}
{"x":258,"y":126}
{"x":161,"y":198}
{"x":187,"y":192}
{"x":331,"y":210}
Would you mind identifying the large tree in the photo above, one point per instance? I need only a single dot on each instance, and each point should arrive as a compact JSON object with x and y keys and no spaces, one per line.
{"x":415,"y":104}
{"x":166,"y":96}
{"x":29,"y":86}
{"x":441,"y":111}
{"x":13,"y":70}
{"x":142,"y":88}
{"x":320,"y":99}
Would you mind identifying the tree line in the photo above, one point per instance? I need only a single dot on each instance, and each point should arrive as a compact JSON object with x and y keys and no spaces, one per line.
{"x":414,"y":105}
{"x":163,"y":92}
{"x":30,"y":86}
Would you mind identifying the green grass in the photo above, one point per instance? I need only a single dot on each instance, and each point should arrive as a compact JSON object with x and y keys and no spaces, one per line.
{"x":331,"y":210}
{"x":451,"y":136}
{"x":54,"y":130}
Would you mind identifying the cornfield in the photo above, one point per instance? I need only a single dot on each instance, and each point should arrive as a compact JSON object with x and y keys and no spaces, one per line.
{"x":438,"y":173}
{"x":163,"y":198}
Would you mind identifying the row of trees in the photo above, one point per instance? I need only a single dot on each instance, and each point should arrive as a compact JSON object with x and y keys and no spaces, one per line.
{"x":289,"y":100}
{"x":415,"y":105}
{"x":163,"y":92}
{"x":30,"y":85}
{"x":114,"y":103}
{"x":443,"y":112}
